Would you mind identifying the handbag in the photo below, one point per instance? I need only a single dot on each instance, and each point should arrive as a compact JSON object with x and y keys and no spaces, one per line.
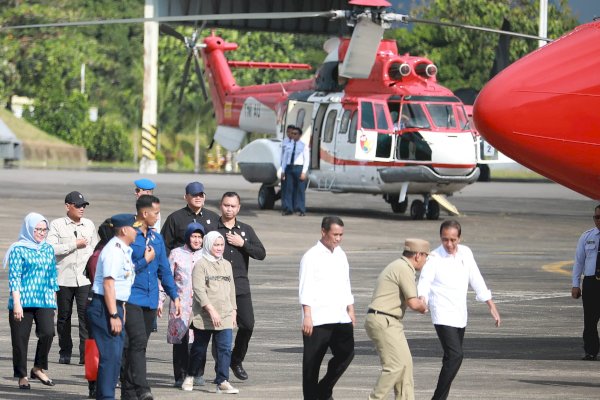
{"x":92,"y":358}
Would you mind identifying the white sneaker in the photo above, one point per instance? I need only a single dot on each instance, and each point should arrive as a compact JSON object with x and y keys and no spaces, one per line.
{"x":225,"y":387}
{"x":188,"y":384}
{"x":199,"y":381}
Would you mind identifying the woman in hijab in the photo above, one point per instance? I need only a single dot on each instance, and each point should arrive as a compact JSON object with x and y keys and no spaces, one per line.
{"x":214,"y":311}
{"x":182,"y":260}
{"x":32,"y":284}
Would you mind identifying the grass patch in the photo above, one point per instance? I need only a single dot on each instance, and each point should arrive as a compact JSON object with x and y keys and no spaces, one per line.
{"x":26,"y":131}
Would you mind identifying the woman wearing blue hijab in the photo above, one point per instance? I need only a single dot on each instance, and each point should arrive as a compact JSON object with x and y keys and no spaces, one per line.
{"x":32,"y":284}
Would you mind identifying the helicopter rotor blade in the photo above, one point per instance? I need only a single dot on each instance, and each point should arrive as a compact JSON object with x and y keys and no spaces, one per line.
{"x":200,"y":74}
{"x":476,"y":28}
{"x":186,"y":72}
{"x":168,"y":30}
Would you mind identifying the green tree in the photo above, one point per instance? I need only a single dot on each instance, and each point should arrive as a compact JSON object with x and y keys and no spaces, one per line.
{"x":465,"y":57}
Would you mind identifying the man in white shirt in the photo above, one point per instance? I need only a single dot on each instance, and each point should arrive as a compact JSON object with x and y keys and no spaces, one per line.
{"x":294,"y":166}
{"x":73,"y":238}
{"x":443,"y":283}
{"x":327,"y":311}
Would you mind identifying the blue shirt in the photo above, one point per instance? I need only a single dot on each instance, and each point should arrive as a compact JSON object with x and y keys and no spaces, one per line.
{"x":585,"y":255}
{"x":301,"y":155}
{"x":115,"y":262}
{"x":144,"y":292}
{"x":33,"y":274}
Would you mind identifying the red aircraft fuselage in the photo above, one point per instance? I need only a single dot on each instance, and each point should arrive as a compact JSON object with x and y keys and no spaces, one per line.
{"x":544,"y":110}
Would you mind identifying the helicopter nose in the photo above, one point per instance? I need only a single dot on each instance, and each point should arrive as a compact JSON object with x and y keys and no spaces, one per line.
{"x":540,"y":110}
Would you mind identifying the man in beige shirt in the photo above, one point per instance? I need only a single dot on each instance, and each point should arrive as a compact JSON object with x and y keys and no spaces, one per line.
{"x":73,"y":239}
{"x":396,"y":289}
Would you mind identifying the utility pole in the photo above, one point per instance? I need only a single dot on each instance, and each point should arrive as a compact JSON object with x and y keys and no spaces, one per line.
{"x":543,"y":32}
{"x":148,"y":164}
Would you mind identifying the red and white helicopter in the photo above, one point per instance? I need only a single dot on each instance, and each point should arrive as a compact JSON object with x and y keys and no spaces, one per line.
{"x":376,"y":121}
{"x":543,"y":112}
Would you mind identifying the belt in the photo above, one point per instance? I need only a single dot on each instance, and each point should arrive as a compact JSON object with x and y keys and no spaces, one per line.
{"x":100,"y":297}
{"x":592,"y":277}
{"x":371,"y":311}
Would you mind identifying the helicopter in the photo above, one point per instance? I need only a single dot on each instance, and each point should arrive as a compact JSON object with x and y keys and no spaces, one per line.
{"x":543,"y":113}
{"x":376,"y":121}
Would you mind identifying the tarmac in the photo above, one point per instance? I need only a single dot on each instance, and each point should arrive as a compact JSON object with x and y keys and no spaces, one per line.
{"x":523,"y":236}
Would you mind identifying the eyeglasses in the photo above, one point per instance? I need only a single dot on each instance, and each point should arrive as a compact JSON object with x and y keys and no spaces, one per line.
{"x":41,"y":230}
{"x":596,"y":217}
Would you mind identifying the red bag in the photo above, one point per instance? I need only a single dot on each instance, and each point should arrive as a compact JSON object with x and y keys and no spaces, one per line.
{"x":92,"y":358}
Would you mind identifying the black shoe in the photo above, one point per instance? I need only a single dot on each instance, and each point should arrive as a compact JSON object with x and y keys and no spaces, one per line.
{"x":82,"y":361}
{"x":301,"y":214}
{"x":589,"y":357}
{"x":24,"y":386}
{"x":146,"y":396}
{"x":92,"y":389}
{"x":48,"y":382}
{"x":64,"y":360}
{"x":286,"y":213}
{"x":239,"y":372}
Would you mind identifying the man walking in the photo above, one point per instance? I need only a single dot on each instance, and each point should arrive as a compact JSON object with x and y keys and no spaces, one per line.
{"x":151,"y":263}
{"x":73,"y":238}
{"x":173,"y":231}
{"x":112,"y":286}
{"x":395,"y":290}
{"x":587,"y":263}
{"x":241,"y":244}
{"x":327,"y":311}
{"x":443,"y":283}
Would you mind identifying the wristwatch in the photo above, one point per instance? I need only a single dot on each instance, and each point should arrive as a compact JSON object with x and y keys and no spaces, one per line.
{"x":114,"y":316}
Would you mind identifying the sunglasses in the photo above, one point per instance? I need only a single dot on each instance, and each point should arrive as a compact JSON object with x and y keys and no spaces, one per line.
{"x":78,"y":206}
{"x":596,"y":217}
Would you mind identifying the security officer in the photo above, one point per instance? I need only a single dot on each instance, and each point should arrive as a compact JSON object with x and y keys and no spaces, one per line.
{"x":111,"y":287}
{"x":587,"y":263}
{"x":396,"y":289}
{"x":146,"y":186}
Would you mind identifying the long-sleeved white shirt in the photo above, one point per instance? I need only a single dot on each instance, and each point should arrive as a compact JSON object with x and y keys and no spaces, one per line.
{"x":325,"y":284}
{"x":444,"y":283}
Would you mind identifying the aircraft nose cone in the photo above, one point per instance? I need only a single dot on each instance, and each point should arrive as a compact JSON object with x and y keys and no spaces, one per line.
{"x":542,"y":110}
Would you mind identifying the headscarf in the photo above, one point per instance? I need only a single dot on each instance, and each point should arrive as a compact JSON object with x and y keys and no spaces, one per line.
{"x":207,"y":245}
{"x":26,"y":235}
{"x":191,"y":228}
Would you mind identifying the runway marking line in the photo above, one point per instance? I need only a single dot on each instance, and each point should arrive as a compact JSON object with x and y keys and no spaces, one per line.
{"x":559,"y":268}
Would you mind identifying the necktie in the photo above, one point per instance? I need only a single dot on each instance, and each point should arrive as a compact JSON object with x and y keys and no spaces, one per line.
{"x":598,"y":264}
{"x":293,"y":153}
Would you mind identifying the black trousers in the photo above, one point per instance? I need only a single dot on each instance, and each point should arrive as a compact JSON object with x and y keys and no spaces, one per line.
{"x":340,"y":339}
{"x":19,"y":334}
{"x":138,"y":327}
{"x":181,"y":358}
{"x":64,"y":299}
{"x":591,"y":314}
{"x":245,"y":323}
{"x":451,"y":339}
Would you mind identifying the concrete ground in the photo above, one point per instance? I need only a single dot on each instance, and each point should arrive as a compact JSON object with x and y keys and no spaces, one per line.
{"x":523,"y":236}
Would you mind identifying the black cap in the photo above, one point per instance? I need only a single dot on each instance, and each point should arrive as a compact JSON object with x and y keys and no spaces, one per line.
{"x":76,"y":198}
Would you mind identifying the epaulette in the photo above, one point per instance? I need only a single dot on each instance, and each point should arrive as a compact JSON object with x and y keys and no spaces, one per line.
{"x":118,"y":245}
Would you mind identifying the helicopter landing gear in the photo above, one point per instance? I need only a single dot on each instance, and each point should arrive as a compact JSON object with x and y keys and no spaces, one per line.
{"x":398,"y":207}
{"x":426,"y":208}
{"x":266,"y":197}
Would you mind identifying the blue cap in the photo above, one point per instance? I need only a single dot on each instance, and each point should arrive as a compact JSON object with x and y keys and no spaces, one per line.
{"x":194,"y":188}
{"x":144,"y":184}
{"x":121,"y":220}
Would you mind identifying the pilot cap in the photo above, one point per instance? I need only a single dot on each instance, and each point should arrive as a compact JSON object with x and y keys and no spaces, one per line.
{"x":417,"y":246}
{"x":144,"y":184}
{"x":121,"y":220}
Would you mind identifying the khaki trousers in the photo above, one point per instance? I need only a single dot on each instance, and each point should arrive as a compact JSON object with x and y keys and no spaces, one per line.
{"x":387,"y":333}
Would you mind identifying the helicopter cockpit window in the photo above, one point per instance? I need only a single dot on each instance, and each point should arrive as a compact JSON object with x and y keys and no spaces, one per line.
{"x":463,"y":119}
{"x":442,"y":115}
{"x":300,"y":118}
{"x":367,"y":120}
{"x":353,"y":128}
{"x":382,"y":123}
{"x":345,"y":121}
{"x":413,"y":116}
{"x":329,"y":126}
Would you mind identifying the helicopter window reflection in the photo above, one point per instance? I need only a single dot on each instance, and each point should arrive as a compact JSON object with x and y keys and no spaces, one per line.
{"x":382,"y":123}
{"x":300,"y":118}
{"x":329,"y":126}
{"x":442,"y":115}
{"x":353,"y":128}
{"x":345,"y":121}
{"x":367,"y":120}
{"x":415,"y":116}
